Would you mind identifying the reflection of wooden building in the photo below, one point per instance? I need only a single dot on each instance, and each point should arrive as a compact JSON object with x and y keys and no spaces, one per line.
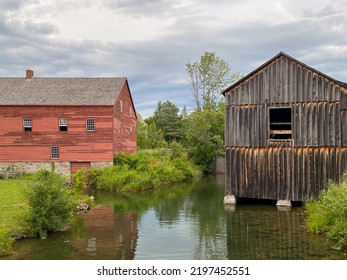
{"x":271,"y":234}
{"x":107,"y":235}
{"x":286,"y":131}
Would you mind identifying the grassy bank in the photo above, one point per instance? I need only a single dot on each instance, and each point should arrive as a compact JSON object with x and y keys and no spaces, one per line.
{"x":147,"y":169}
{"x":329,"y":213}
{"x":14,"y":211}
{"x":35,"y":205}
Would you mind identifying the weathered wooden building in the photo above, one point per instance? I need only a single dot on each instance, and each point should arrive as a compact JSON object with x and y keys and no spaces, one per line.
{"x":73,"y":122}
{"x":286,"y":132}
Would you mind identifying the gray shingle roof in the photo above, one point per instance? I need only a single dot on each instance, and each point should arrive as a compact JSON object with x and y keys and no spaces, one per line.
{"x":60,"y":91}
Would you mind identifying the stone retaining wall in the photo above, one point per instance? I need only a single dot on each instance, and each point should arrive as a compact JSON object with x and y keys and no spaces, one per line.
{"x":62,"y":168}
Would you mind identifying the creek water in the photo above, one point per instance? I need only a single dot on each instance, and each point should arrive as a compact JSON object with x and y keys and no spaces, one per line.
{"x":185,"y":221}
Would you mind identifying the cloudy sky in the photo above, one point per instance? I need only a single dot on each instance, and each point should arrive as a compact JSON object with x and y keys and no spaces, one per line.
{"x":150,"y":41}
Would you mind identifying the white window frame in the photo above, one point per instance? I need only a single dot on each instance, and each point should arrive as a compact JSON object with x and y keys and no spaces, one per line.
{"x":90,"y":124}
{"x":121,"y":105}
{"x":27,"y":124}
{"x":54,"y":152}
{"x":62,"y":123}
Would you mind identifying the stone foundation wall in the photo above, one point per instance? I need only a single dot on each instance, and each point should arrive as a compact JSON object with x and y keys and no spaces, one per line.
{"x":101,"y":164}
{"x":61,"y":168}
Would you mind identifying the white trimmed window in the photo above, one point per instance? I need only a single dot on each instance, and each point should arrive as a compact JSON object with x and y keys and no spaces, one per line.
{"x":90,"y":124}
{"x":131,"y":112}
{"x":63,"y":124}
{"x":54,"y":152}
{"x":121,"y":105}
{"x":27,"y":124}
{"x":131,"y":128}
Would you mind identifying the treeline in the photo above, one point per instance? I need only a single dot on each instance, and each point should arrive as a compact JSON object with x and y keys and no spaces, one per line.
{"x":201,"y":130}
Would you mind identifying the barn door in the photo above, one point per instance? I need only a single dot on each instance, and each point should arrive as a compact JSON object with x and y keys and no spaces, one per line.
{"x":75,"y":166}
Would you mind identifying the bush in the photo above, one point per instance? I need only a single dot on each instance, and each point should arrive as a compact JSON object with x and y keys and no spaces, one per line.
{"x":146,"y":170}
{"x":329,"y":212}
{"x":78,"y":179}
{"x":50,"y":203}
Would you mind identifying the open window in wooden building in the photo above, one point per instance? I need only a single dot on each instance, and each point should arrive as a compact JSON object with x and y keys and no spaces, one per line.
{"x":280,"y":123}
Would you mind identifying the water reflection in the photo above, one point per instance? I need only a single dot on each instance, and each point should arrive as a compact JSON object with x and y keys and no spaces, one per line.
{"x":186,"y":221}
{"x":271,"y":234}
{"x":104,"y":234}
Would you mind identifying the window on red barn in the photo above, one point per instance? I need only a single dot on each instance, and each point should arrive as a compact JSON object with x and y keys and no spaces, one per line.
{"x":63,"y":124}
{"x":27,"y":124}
{"x":54,"y":152}
{"x":90,"y":124}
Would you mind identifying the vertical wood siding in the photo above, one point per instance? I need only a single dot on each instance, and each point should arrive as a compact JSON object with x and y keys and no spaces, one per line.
{"x":295,"y":169}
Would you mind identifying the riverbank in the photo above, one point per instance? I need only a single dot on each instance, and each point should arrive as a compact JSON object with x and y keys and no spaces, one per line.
{"x":33,"y":205}
{"x":328,"y":214}
{"x":147,"y":169}
{"x":144,"y":170}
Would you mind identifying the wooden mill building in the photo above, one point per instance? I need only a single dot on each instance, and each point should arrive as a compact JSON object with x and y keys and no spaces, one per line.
{"x":73,"y":122}
{"x":286,"y":132}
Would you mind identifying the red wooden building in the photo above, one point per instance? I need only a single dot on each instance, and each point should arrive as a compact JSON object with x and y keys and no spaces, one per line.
{"x":73,"y":122}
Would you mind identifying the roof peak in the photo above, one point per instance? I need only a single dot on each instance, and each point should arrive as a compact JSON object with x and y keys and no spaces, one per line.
{"x":268,"y":62}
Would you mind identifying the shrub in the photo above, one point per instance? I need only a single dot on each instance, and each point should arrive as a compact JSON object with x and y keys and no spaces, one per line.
{"x":50,"y":203}
{"x":329,"y":212}
{"x":78,"y":181}
{"x":146,"y":169}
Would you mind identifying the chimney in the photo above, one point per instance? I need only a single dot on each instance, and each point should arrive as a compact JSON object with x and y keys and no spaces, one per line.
{"x":29,"y":74}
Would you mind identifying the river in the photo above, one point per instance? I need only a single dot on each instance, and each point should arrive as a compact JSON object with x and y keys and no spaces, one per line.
{"x":185,"y":221}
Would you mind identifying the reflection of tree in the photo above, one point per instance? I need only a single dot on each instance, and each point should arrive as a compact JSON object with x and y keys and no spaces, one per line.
{"x":166,"y":201}
{"x":206,"y":209}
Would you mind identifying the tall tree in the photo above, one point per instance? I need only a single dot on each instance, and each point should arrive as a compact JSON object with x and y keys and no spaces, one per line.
{"x":148,"y":136}
{"x":167,"y":119}
{"x":204,"y":136}
{"x":208,"y":77}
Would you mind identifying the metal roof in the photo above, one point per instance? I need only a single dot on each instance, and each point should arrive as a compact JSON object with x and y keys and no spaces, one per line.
{"x":60,"y":91}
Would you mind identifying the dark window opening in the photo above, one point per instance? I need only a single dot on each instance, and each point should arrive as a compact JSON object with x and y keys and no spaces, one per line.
{"x":281,"y":123}
{"x":63,"y":124}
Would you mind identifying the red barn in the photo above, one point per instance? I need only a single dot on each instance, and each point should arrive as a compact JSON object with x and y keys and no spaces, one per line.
{"x":73,"y":122}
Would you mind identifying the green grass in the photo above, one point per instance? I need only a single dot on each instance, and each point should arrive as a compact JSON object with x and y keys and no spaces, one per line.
{"x":328,"y":214}
{"x":14,"y":212}
{"x":13,"y":205}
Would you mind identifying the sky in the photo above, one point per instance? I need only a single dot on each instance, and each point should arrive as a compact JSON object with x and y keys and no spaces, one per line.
{"x":151,"y":41}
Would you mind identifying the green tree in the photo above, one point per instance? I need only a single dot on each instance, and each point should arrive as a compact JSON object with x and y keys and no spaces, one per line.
{"x":148,"y":135}
{"x":205,"y":136}
{"x":167,"y":119}
{"x":208,"y":77}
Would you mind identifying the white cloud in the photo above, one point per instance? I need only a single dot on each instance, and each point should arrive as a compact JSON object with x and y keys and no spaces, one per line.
{"x":150,"y":41}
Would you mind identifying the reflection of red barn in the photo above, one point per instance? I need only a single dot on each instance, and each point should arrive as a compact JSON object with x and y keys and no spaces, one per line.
{"x":107,"y":235}
{"x":73,"y":122}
